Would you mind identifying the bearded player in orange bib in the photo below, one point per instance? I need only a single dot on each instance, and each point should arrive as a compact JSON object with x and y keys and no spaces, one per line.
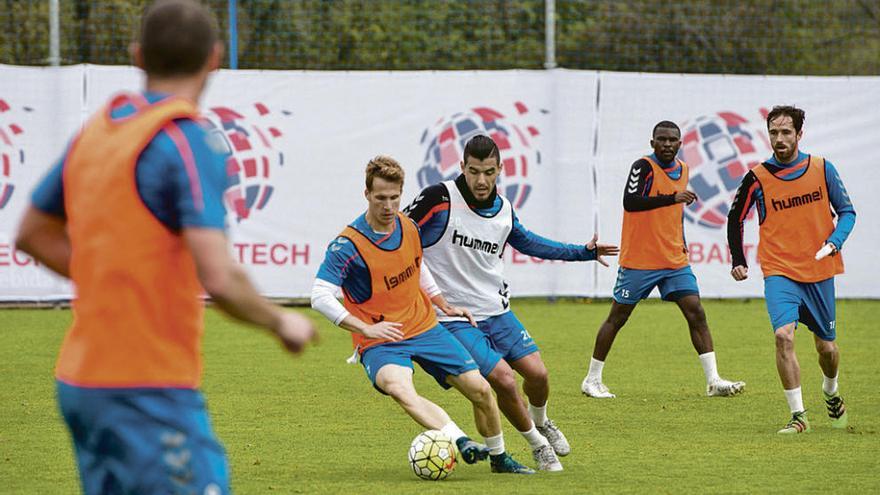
{"x":796,"y":195}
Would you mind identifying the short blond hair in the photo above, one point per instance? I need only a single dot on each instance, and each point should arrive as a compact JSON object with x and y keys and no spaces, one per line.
{"x":384,"y":167}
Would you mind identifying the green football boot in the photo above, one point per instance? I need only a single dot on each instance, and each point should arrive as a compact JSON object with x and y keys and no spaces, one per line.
{"x":836,"y":409}
{"x":797,"y":424}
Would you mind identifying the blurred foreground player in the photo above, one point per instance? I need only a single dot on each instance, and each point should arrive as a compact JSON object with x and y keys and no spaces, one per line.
{"x":130,"y":366}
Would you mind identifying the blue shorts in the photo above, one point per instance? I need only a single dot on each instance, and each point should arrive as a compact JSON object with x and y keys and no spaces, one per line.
{"x":436,"y":351}
{"x":634,"y":285}
{"x":810,"y":303}
{"x":143,"y":440}
{"x":508,"y":337}
{"x":477,"y":343}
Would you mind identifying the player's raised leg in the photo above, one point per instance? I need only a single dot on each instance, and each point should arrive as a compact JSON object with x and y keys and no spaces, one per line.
{"x":396,"y":381}
{"x":592,"y":384}
{"x":701,"y":338}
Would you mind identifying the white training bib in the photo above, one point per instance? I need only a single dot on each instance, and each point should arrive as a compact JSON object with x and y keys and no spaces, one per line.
{"x":466,"y":262}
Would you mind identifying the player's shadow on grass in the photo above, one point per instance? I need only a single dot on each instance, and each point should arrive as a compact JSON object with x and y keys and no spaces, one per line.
{"x":394,"y":474}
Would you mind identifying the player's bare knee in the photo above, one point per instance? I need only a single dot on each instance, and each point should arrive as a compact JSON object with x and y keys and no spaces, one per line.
{"x":502,"y":381}
{"x":480,"y":392}
{"x":784,"y":340}
{"x":617,"y":320}
{"x":696,"y":317}
{"x":825,"y":348}
{"x":398,"y":391}
{"x":538,"y":375}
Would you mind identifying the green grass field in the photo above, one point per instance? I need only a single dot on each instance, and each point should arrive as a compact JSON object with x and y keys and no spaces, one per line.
{"x":315,"y":425}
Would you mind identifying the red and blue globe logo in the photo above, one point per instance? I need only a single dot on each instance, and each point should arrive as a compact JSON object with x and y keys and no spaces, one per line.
{"x":444,"y":144}
{"x":719,"y":149}
{"x":253,"y":157}
{"x":11,"y":151}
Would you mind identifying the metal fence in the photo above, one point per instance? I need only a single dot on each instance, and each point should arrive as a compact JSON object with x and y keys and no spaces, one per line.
{"x":708,"y":36}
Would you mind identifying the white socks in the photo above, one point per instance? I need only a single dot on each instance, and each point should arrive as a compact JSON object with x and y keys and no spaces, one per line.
{"x":829,"y":385}
{"x":710,"y":368}
{"x":496,"y":444}
{"x":538,"y":414}
{"x":534,"y":438}
{"x":595,"y":373}
{"x":452,"y":431}
{"x":795,"y":400}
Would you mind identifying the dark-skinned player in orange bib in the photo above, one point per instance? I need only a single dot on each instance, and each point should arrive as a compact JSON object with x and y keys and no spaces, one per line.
{"x":653,"y":253}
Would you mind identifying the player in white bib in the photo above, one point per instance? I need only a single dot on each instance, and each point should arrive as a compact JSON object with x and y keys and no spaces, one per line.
{"x":465,"y":226}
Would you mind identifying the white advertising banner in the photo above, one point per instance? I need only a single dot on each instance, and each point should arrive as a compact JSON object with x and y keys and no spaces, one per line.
{"x":40,"y":109}
{"x":724,"y":132}
{"x":299,"y":143}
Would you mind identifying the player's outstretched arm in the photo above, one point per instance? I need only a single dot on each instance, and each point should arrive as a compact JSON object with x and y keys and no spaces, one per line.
{"x":231,"y":289}
{"x":44,"y":237}
{"x":531,"y":244}
{"x":602,"y":249}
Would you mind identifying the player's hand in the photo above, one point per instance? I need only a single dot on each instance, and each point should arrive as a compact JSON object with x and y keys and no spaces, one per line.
{"x":739,"y":273}
{"x":387,"y":330}
{"x":456,"y":311}
{"x":827,"y":249}
{"x":602,"y":249}
{"x":685,"y":197}
{"x":295,"y":331}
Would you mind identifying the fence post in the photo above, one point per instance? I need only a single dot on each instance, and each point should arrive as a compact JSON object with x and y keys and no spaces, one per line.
{"x":233,"y":35}
{"x":54,"y":34}
{"x":549,"y":34}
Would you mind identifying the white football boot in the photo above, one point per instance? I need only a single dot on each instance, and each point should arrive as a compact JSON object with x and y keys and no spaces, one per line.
{"x":724,"y":388}
{"x":595,"y":388}
{"x":546,"y":459}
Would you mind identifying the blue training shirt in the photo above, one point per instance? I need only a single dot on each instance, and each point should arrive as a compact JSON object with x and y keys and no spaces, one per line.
{"x":162,"y":179}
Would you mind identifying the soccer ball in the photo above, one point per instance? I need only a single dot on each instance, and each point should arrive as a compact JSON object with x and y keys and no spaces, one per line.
{"x":432,"y":455}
